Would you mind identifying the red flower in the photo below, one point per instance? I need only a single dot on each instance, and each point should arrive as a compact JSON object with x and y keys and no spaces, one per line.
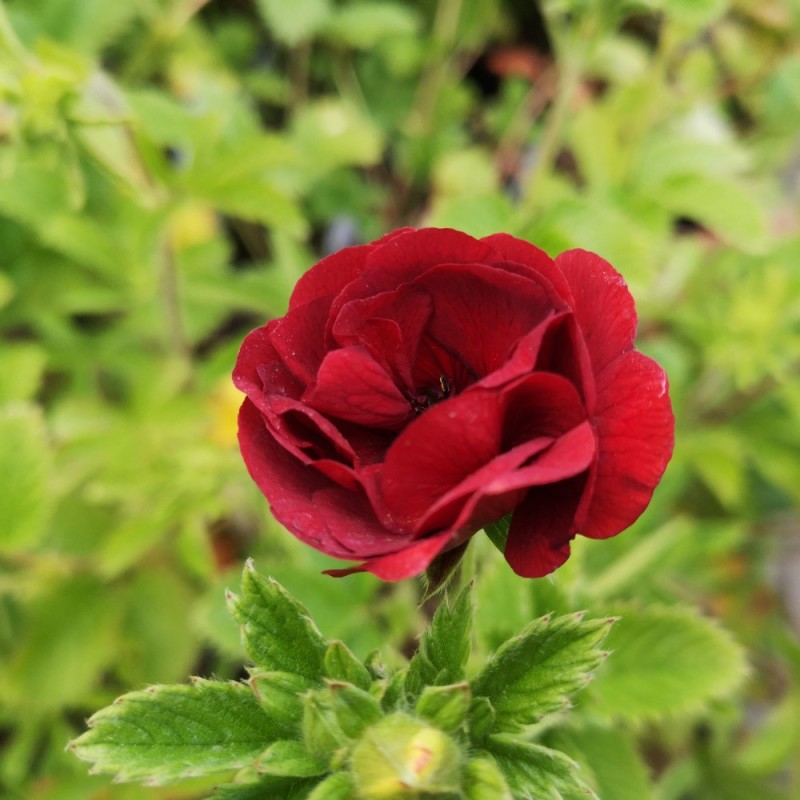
{"x":427,"y":384}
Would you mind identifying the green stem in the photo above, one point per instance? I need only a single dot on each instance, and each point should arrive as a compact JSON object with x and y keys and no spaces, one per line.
{"x":568,"y":82}
{"x":170,"y":289}
{"x":445,"y":31}
{"x":9,"y":42}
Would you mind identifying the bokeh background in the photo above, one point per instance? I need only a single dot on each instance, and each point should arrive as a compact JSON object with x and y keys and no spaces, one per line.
{"x":168,"y":168}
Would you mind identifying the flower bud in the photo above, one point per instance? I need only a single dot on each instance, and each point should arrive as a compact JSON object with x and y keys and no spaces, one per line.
{"x":401,"y":757}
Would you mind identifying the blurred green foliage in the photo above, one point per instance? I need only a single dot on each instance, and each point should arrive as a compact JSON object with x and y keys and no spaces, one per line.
{"x":168,"y":168}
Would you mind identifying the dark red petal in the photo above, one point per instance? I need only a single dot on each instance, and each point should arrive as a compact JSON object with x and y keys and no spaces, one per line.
{"x":542,"y":528}
{"x":518,"y":252}
{"x":492,"y":496}
{"x":490,"y":479}
{"x":299,"y":339}
{"x":389,"y":325}
{"x":259,"y":368}
{"x":317,"y":511}
{"x":635,"y":429}
{"x":603,"y":306}
{"x":399,"y":259}
{"x":525,"y":355}
{"x":459,"y":437}
{"x":438,"y":450}
{"x":405,"y":563}
{"x":350,"y":385}
{"x":329,"y":276}
{"x":304,"y":432}
{"x":481,"y":312}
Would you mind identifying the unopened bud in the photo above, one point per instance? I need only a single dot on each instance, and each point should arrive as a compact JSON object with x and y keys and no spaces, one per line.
{"x":401,"y":757}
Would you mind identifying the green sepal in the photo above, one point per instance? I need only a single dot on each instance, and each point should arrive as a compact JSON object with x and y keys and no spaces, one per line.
{"x":280,"y":696}
{"x":498,"y":532}
{"x":535,"y":672}
{"x":342,"y":665}
{"x":532,"y":770}
{"x":441,"y":571}
{"x":335,"y":787}
{"x":289,"y":758}
{"x":375,"y":666}
{"x":401,"y":757}
{"x":322,"y":735}
{"x":391,"y":691}
{"x":483,"y":780}
{"x":482,"y":718}
{"x":277,"y":631}
{"x":355,"y":709}
{"x":444,"y":647}
{"x":445,"y":706}
{"x":165,"y":733}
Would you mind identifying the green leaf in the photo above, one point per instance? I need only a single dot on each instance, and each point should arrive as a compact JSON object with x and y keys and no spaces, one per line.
{"x":444,"y":646}
{"x":483,"y":780}
{"x":724,"y":206}
{"x":25,"y":466}
{"x":338,"y":134}
{"x":273,"y":787}
{"x":342,"y":665}
{"x":70,"y":636}
{"x":445,"y":706}
{"x":610,"y":759}
{"x":22,"y":366}
{"x":534,"y":771}
{"x":666,"y":661}
{"x":165,"y":733}
{"x":290,"y":758}
{"x":535,"y":672}
{"x":277,"y":631}
{"x":294,"y":22}
{"x":364,"y":24}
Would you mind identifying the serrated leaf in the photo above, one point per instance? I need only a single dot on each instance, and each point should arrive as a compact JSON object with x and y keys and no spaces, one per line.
{"x":445,"y":706}
{"x":272,"y":787}
{"x":278,"y":633}
{"x":444,"y":646}
{"x":165,"y":733}
{"x":535,"y":771}
{"x":342,"y":665}
{"x":535,"y":672}
{"x":290,"y":759}
{"x":25,"y":466}
{"x":666,"y":661}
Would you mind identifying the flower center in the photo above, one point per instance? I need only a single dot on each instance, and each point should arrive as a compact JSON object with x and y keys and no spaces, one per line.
{"x":431,"y":395}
